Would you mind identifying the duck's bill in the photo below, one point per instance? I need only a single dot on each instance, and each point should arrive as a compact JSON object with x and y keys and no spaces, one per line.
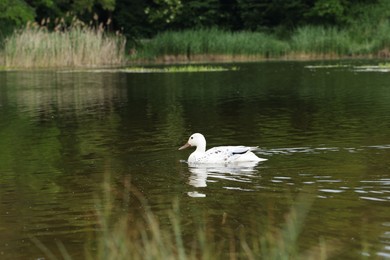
{"x":185,"y":146}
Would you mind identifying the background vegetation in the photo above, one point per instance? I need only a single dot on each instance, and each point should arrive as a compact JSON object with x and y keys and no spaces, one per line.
{"x":145,"y":18}
{"x":74,"y":45}
{"x":233,"y":27}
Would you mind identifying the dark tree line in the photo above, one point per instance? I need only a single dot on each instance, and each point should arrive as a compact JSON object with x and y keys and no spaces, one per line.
{"x":144,"y":18}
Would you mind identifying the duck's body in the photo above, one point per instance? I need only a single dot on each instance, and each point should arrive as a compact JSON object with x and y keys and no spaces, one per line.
{"x":220,"y":154}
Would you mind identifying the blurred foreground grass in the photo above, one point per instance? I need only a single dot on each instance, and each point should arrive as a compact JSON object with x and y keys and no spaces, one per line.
{"x":120,"y":236}
{"x":148,"y":239}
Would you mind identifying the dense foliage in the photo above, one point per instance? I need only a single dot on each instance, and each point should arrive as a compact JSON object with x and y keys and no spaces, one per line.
{"x":144,"y":18}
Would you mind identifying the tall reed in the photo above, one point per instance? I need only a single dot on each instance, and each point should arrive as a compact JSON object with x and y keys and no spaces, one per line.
{"x":306,"y":42}
{"x":123,"y":238}
{"x":213,"y":41}
{"x":76,"y":45}
{"x":318,"y":40}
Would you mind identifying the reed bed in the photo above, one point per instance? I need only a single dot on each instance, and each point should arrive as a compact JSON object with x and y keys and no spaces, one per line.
{"x":213,"y":42}
{"x":321,"y":41}
{"x":305,"y":42}
{"x":76,"y":45}
{"x":81,"y":45}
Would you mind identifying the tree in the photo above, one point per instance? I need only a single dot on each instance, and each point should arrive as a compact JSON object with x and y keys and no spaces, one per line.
{"x":195,"y":14}
{"x":327,"y":12}
{"x":163,"y":12}
{"x":144,"y":18}
{"x":264,"y":14}
{"x":14,"y":13}
{"x":83,"y":9}
{"x":130,"y":17}
{"x":82,"y":6}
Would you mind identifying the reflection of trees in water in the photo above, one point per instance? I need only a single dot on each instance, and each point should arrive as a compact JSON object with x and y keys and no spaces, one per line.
{"x":58,"y":122}
{"x":55,"y":138}
{"x":69,"y":123}
{"x":43,"y":94}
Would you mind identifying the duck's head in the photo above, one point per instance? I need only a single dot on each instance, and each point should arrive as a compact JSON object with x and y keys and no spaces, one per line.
{"x":196,"y":139}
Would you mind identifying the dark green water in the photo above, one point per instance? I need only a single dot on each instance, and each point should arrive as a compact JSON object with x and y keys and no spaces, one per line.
{"x":324,"y":131}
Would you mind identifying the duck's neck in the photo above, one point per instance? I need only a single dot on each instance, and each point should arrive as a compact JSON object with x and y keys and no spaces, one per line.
{"x":201,"y":148}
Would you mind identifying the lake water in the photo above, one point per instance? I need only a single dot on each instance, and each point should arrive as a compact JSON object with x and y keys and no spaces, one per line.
{"x":324,"y":130}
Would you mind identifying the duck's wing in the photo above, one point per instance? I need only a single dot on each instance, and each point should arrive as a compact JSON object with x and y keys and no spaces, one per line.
{"x":225,"y":153}
{"x":239,"y":149}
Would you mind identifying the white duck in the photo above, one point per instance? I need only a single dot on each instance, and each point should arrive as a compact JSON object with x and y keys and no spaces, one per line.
{"x":220,"y":154}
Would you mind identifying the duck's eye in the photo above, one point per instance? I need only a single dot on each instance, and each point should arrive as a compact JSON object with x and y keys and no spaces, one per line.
{"x":192,"y":137}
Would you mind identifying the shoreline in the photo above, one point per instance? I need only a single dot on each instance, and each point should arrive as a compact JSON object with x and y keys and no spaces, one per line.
{"x":206,"y":59}
{"x":223,"y":58}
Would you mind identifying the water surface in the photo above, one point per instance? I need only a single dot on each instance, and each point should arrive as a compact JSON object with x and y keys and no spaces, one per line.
{"x":324,"y":130}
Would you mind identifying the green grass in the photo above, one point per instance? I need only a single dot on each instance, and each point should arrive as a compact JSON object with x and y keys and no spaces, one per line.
{"x":79,"y":45}
{"x":76,"y":45}
{"x":321,"y":41}
{"x":190,"y":43}
{"x":304,"y":42}
{"x":176,"y":69}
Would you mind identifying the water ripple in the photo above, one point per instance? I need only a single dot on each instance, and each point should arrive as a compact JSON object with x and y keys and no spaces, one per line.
{"x":331,"y":190}
{"x":372,"y":198}
{"x":384,"y":146}
{"x":317,"y":150}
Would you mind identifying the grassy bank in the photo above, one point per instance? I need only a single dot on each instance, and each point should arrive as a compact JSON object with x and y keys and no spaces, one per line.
{"x":207,"y":42}
{"x":74,"y":45}
{"x":309,"y":42}
{"x":81,"y":45}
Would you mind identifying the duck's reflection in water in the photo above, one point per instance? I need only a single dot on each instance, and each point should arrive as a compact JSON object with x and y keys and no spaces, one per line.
{"x":203,"y":173}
